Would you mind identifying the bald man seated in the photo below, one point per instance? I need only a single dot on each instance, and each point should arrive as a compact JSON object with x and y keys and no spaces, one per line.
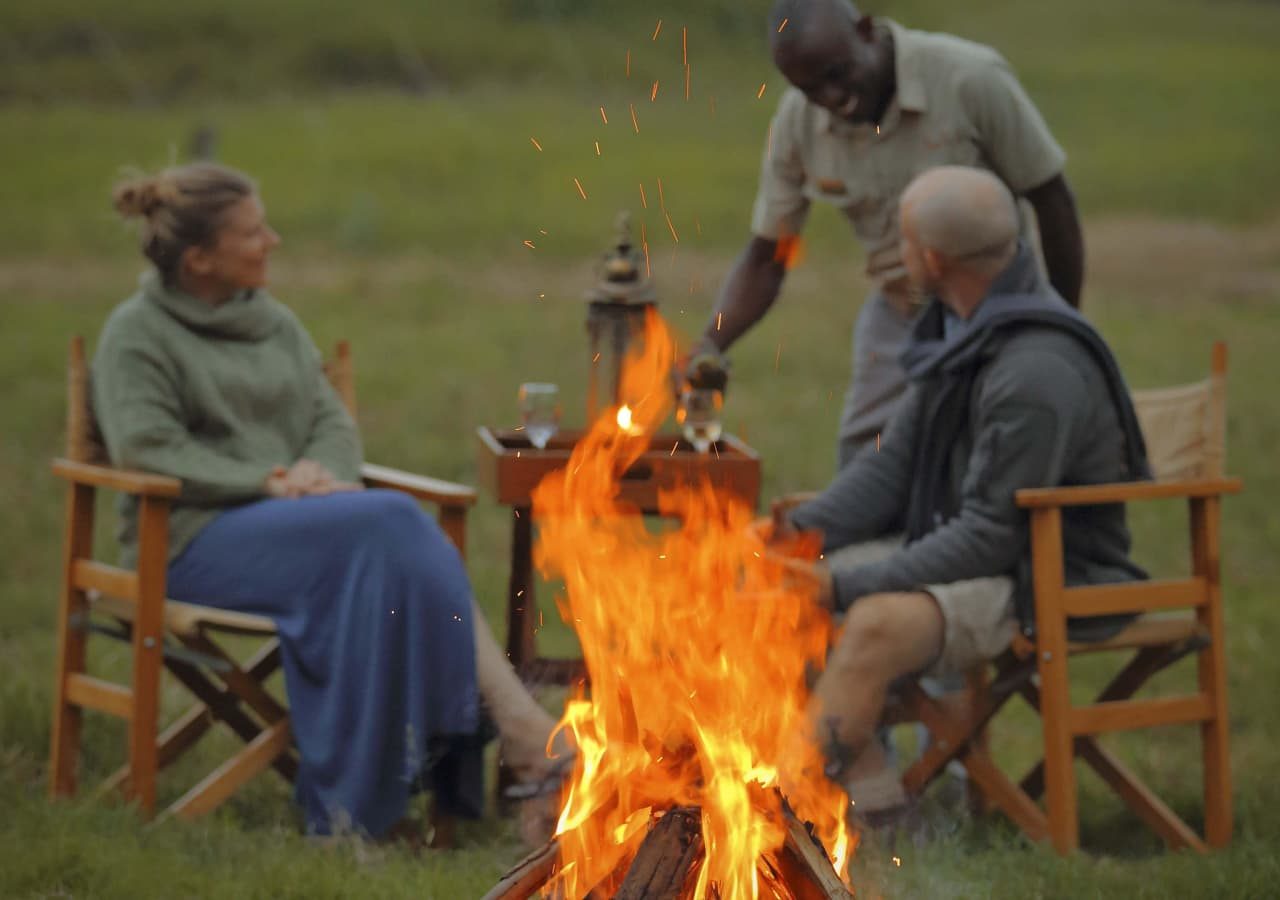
{"x":926,"y":553}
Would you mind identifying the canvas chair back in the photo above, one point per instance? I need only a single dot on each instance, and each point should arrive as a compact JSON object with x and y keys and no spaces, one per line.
{"x":1185,"y":426}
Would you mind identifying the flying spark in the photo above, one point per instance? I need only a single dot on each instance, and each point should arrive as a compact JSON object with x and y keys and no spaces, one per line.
{"x":578,"y":184}
{"x":783,"y":25}
{"x":628,"y":62}
{"x":719,"y":317}
{"x":634,"y":123}
{"x":597,"y":148}
{"x":662,"y":202}
{"x":656,"y":30}
{"x":644,"y":244}
{"x":536,"y":144}
{"x":603,"y":116}
{"x":529,"y":244}
{"x":644,"y":201}
{"x":760,"y":93}
{"x":654,"y":94}
{"x":672,"y":227}
{"x":688,"y":76}
{"x":684,"y":43}
{"x":777,"y":357}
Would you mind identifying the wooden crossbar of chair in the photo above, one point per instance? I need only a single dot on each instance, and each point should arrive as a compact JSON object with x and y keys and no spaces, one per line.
{"x":1185,"y":431}
{"x":178,"y":637}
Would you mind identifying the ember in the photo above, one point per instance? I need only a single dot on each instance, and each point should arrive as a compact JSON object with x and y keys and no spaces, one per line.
{"x":696,"y":646}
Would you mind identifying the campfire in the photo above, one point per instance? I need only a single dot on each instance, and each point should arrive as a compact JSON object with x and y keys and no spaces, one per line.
{"x":695,"y":776}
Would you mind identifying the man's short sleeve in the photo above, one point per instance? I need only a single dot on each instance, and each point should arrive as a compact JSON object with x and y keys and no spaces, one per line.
{"x":781,"y":206}
{"x":1010,"y":129}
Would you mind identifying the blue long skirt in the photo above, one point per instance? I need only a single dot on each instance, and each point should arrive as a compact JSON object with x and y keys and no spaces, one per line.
{"x":373,"y":607}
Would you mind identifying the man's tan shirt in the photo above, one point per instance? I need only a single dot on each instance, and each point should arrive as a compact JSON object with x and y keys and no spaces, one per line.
{"x":957,"y":103}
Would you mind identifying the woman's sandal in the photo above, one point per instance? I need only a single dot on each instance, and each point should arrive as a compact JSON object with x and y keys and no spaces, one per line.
{"x":537,"y":802}
{"x":549,"y":783}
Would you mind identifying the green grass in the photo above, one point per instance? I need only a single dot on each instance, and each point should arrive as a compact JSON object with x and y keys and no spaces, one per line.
{"x":403,"y":215}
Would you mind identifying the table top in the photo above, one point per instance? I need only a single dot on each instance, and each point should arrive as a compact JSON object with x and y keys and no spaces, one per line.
{"x":510,"y":466}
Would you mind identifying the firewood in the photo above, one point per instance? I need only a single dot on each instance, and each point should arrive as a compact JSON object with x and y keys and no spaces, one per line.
{"x":527,"y":876}
{"x":666,"y":859}
{"x":804,"y":866}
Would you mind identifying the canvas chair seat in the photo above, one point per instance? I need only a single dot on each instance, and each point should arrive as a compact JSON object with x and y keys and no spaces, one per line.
{"x":1145,"y":631}
{"x":187,"y":619}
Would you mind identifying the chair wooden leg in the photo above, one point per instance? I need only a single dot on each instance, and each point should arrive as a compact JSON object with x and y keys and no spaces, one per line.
{"x":1051,"y":662}
{"x":148,"y":652}
{"x":185,"y":731}
{"x":244,"y":685}
{"x":224,"y":704}
{"x":228,"y":778}
{"x":1150,"y":808}
{"x":64,"y":751}
{"x":1176,"y":834}
{"x":1205,"y":550}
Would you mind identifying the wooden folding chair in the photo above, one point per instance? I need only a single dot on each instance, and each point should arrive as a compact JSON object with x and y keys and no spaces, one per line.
{"x":130,"y":604}
{"x":1185,"y":428}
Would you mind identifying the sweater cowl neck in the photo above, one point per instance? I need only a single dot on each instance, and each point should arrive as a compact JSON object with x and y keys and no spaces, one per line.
{"x":250,"y":315}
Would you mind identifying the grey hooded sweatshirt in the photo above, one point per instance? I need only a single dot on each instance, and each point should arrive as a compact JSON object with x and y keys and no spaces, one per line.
{"x":1025,"y":395}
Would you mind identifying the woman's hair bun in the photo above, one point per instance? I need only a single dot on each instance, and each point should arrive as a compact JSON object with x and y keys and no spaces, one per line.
{"x":142,"y":196}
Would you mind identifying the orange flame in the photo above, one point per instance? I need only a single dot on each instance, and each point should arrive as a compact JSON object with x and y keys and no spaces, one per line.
{"x":697,"y":647}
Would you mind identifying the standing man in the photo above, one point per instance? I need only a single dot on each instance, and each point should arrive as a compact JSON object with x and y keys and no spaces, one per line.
{"x":872,"y":105}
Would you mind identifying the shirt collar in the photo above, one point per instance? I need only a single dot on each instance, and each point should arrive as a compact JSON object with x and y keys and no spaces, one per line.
{"x":909,"y":94}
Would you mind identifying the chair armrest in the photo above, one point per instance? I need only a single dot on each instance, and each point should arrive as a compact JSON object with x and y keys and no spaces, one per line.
{"x":130,"y":481}
{"x":1122,"y":492}
{"x":445,"y":493}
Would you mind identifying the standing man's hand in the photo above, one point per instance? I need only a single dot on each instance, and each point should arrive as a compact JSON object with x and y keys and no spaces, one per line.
{"x":705,"y":367}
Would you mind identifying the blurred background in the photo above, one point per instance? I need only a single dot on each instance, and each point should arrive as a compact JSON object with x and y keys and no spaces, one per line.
{"x":445,"y":176}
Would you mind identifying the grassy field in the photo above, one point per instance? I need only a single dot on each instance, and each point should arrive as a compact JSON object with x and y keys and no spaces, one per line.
{"x":404,"y":202}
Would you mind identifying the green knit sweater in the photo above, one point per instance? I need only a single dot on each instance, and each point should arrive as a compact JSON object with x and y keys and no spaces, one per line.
{"x":216,"y":397}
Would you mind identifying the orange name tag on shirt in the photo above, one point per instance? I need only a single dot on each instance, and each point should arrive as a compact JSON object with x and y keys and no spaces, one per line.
{"x":831,"y":185}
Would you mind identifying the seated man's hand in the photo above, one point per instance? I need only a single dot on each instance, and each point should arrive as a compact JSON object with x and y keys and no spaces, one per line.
{"x":775,"y":528}
{"x":810,"y":577}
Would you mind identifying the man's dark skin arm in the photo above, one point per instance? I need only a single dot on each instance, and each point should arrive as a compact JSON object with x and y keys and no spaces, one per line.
{"x":752,"y":286}
{"x":1061,"y":239}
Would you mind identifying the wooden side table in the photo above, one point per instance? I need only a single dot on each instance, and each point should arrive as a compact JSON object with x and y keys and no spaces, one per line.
{"x":510,"y":467}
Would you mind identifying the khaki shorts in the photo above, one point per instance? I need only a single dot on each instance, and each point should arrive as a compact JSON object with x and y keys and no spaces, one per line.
{"x":977,"y":614}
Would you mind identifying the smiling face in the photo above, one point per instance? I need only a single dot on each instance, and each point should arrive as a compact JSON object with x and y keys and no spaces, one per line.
{"x":836,"y":61}
{"x":236,"y":258}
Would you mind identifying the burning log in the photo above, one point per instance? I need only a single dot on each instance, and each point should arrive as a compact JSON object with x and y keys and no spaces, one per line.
{"x":527,"y":876}
{"x":666,"y":865}
{"x":666,"y":861}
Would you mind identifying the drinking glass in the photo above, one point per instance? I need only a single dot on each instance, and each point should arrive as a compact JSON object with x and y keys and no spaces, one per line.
{"x":539,"y":411}
{"x":699,"y":413}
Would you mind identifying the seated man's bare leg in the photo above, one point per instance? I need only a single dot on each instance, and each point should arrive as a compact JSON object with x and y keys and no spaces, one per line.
{"x":884,"y":637}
